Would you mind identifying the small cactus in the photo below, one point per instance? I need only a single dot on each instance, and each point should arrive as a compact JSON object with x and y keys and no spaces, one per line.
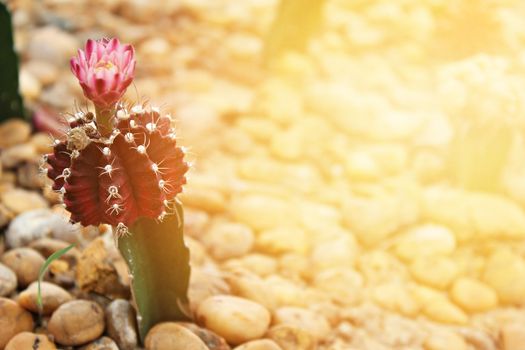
{"x":121,"y":166}
{"x":136,"y":171}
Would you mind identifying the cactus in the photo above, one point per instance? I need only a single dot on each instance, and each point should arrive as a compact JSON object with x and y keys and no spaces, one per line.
{"x":121,"y":166}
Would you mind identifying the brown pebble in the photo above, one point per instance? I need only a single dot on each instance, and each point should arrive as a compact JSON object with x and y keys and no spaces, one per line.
{"x":260,"y":344}
{"x":18,"y":200}
{"x":121,"y":324}
{"x":291,"y":338}
{"x":8,"y":281}
{"x":48,"y":246}
{"x":13,"y":320}
{"x":28,"y":340}
{"x":212,"y":340}
{"x":25,"y":263}
{"x":13,"y":131}
{"x":77,"y":322}
{"x":513,"y":336}
{"x":52,"y":297}
{"x":171,"y":336}
{"x":103,"y":343}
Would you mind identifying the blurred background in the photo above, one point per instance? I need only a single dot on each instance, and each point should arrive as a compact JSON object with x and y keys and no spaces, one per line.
{"x":364,"y":160}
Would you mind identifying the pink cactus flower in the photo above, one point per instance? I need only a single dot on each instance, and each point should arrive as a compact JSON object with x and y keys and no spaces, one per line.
{"x":104,"y":70}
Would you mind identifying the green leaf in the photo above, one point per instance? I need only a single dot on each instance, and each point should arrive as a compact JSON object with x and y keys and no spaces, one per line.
{"x":158,"y":261}
{"x":56,"y":255}
{"x":10,"y":100}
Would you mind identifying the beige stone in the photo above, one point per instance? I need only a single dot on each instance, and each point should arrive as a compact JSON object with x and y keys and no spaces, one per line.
{"x":445,"y":340}
{"x":426,"y":240}
{"x":434,"y":271}
{"x":77,"y":322}
{"x":283,"y":239}
{"x":513,"y":336}
{"x":260,"y":212}
{"x":13,"y":320}
{"x":28,"y":340}
{"x":445,"y":312}
{"x":52,"y":297}
{"x":341,"y":284}
{"x":225,"y":240}
{"x":13,"y":131}
{"x":505,"y":272}
{"x":260,"y":344}
{"x":473,"y":295}
{"x":236,"y":319}
{"x":171,"y":336}
{"x":260,"y":264}
{"x":25,"y":263}
{"x":290,"y":337}
{"x":8,"y":281}
{"x":314,"y":324}
{"x":395,"y":296}
{"x":19,"y":201}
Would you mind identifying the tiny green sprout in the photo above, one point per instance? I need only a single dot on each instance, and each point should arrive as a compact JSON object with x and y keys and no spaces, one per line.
{"x":56,"y":255}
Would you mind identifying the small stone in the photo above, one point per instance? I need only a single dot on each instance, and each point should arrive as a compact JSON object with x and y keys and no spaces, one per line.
{"x":314,"y":324}
{"x":341,"y":284}
{"x":260,"y":264}
{"x":102,"y":343}
{"x":28,"y":340}
{"x":52,"y":297}
{"x":291,"y":338}
{"x":195,"y":222}
{"x":50,"y":44}
{"x":473,"y":295}
{"x":96,"y":270}
{"x":260,"y":344}
{"x":445,"y":340}
{"x":29,"y":176}
{"x":30,"y":87}
{"x":337,"y":252}
{"x":172,"y":336}
{"x":14,"y":131}
{"x":252,"y":287}
{"x":5,"y":215}
{"x":48,"y":246}
{"x":209,"y":200}
{"x":121,"y":324}
{"x":36,"y":224}
{"x":283,"y":239}
{"x":25,"y":263}
{"x":17,"y":154}
{"x":77,"y":322}
{"x":505,"y":272}
{"x":20,"y":201}
{"x":444,"y":270}
{"x":42,"y":142}
{"x":396,"y":297}
{"x":210,"y":339}
{"x":228,"y":240}
{"x":444,"y":311}
{"x":260,"y":212}
{"x":513,"y":336}
{"x":426,"y":240}
{"x":235,"y":319}
{"x":45,"y":72}
{"x":8,"y":281}
{"x":204,"y":284}
{"x":13,"y":320}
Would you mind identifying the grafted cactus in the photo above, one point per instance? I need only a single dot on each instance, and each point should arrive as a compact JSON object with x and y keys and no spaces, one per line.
{"x":121,"y":166}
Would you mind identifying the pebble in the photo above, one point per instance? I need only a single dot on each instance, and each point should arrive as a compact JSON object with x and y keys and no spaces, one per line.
{"x":396,"y":297}
{"x":121,"y":324}
{"x":513,"y":337}
{"x":13,"y":132}
{"x":40,"y":223}
{"x":444,"y":311}
{"x":30,"y":87}
{"x":426,"y":240}
{"x":48,"y":246}
{"x":289,"y":337}
{"x":8,"y":281}
{"x":283,"y":239}
{"x":77,"y":322}
{"x":27,"y":340}
{"x":314,"y":324}
{"x":102,"y":343}
{"x":52,"y":297}
{"x":445,"y":340}
{"x":444,"y":270}
{"x":260,"y":264}
{"x":260,"y":212}
{"x":172,"y":336}
{"x":20,"y":201}
{"x":505,"y":272}
{"x":25,"y":263}
{"x":260,"y":344}
{"x":235,"y":319}
{"x":252,"y":287}
{"x":45,"y":72}
{"x":203,"y":284}
{"x":52,"y":45}
{"x":29,"y":176}
{"x":210,"y":339}
{"x":228,"y":240}
{"x":13,"y":320}
{"x":342,"y":285}
{"x":473,"y":295}
{"x":17,"y":154}
{"x":337,"y":252}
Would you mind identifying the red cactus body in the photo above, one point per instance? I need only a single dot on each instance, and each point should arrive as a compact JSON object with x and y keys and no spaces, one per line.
{"x":133,"y":172}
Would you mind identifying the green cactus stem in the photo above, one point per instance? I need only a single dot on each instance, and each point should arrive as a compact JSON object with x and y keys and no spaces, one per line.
{"x":10,"y":100}
{"x":158,"y":261}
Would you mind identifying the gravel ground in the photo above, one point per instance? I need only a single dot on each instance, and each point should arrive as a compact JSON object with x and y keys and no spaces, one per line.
{"x":338,"y":198}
